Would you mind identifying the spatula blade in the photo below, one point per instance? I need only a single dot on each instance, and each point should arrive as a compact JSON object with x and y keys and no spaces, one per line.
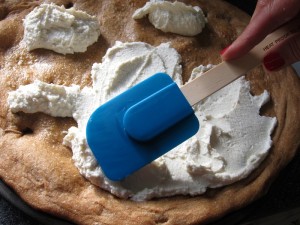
{"x":118,"y":154}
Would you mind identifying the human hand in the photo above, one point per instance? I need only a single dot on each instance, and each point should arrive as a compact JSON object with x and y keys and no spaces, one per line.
{"x":268,"y":16}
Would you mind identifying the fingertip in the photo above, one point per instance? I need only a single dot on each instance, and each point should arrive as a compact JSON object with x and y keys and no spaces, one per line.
{"x":224,"y":50}
{"x":273,"y":61}
{"x":224,"y":53}
{"x":230,"y":53}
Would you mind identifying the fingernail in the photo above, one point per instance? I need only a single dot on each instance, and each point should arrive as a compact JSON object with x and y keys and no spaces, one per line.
{"x":273,"y":61}
{"x":224,"y":50}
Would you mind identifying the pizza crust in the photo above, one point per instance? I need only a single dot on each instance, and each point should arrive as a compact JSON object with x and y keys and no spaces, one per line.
{"x":39,"y":168}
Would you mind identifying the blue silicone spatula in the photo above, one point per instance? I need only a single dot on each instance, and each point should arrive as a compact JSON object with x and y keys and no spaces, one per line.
{"x":153,"y":117}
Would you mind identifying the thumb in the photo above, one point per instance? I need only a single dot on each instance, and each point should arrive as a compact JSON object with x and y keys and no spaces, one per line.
{"x":283,"y":54}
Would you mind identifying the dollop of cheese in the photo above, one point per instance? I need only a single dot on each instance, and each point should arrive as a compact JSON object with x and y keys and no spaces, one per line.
{"x":175,"y":17}
{"x":55,"y":100}
{"x":231,"y":143}
{"x":62,"y":30}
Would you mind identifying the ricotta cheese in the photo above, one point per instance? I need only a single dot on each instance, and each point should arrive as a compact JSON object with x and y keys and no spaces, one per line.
{"x":54,"y":100}
{"x":175,"y":17}
{"x":62,"y":30}
{"x":231,"y":143}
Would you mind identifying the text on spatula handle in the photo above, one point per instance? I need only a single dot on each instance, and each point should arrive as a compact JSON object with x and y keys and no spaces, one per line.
{"x":280,"y":39}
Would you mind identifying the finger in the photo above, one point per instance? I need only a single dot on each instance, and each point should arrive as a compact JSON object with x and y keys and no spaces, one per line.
{"x":268,"y":16}
{"x":283,"y":54}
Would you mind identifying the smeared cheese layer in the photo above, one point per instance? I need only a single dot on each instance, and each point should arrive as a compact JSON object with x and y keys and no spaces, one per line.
{"x":231,"y":143}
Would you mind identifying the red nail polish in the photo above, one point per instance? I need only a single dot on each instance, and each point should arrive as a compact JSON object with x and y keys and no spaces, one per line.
{"x":273,"y":61}
{"x":224,"y":50}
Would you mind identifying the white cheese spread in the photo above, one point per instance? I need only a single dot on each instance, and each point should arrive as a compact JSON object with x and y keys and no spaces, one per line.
{"x":231,"y":143}
{"x":62,"y":30}
{"x":175,"y":17}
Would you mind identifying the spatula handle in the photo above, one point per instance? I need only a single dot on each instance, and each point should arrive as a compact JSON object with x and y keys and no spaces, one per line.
{"x":226,"y":72}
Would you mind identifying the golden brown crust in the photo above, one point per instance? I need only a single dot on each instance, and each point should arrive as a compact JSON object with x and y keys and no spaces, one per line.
{"x":39,"y":168}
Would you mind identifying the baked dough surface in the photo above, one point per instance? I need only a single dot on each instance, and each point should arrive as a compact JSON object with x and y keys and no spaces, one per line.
{"x":39,"y":168}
